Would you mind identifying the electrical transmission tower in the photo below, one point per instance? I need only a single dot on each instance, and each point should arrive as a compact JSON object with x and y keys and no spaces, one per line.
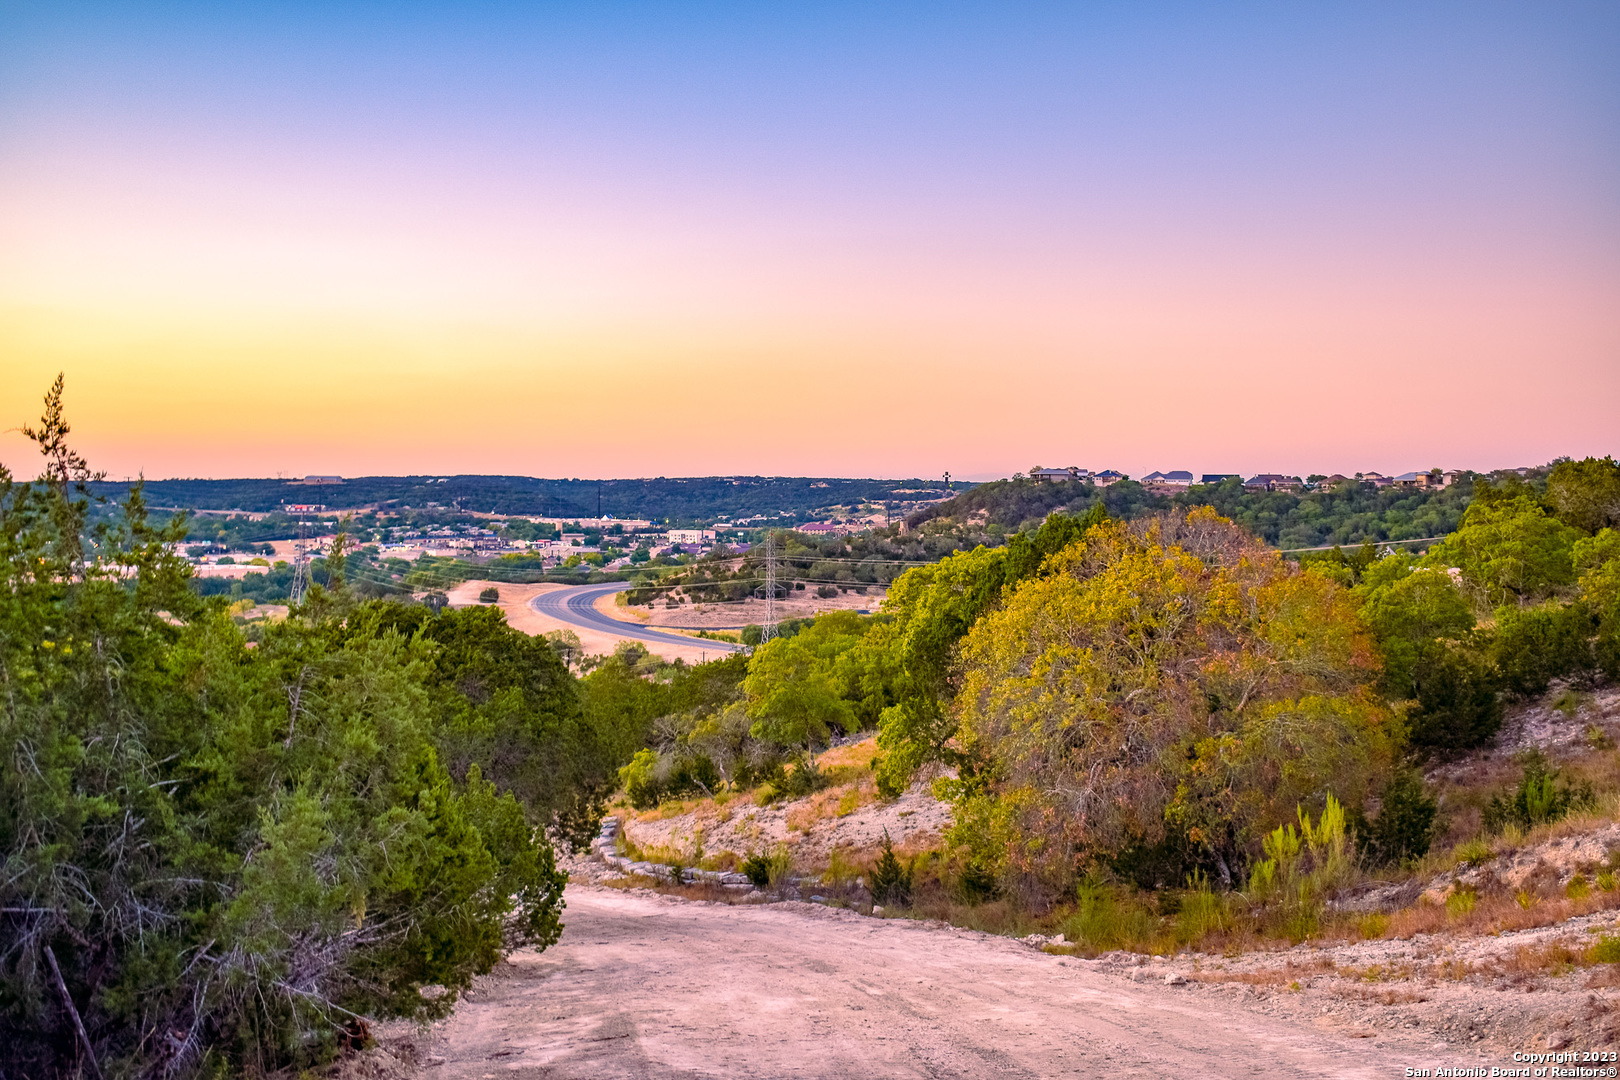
{"x":768,"y":629}
{"x":300,"y":581}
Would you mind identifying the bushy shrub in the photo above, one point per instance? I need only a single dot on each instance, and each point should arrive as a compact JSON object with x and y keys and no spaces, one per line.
{"x":758,"y":868}
{"x":1606,"y":950}
{"x":801,"y":780}
{"x":651,"y":777}
{"x":1457,"y":707}
{"x":489,"y":595}
{"x":769,"y":871}
{"x":1533,"y":646}
{"x":1301,"y":868}
{"x":977,"y":883}
{"x":1106,"y":918}
{"x":230,"y":853}
{"x":1201,"y":910}
{"x":890,"y":880}
{"x":1404,"y":828}
{"x":640,"y":781}
{"x":1540,"y":797}
{"x":826,"y":592}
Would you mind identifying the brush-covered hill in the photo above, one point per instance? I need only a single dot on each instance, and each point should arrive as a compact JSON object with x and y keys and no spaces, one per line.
{"x":677,"y":499}
{"x":1349,"y":514}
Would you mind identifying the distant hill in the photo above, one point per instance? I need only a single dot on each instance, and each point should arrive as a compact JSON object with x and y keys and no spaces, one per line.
{"x":680,"y":499}
{"x":1351,"y":514}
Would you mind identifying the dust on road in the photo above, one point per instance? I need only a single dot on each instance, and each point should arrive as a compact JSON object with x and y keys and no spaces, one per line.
{"x":645,"y":986}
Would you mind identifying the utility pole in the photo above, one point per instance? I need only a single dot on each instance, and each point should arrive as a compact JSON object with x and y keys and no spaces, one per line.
{"x":768,"y":630}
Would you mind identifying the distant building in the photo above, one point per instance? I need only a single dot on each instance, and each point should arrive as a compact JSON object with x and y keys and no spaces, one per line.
{"x":1273,"y":482}
{"x":1071,"y":473}
{"x":1174,"y":478}
{"x":690,"y":536}
{"x":305,"y":508}
{"x":1106,"y":477}
{"x":1434,"y":479}
{"x":320,"y":480}
{"x":1219,"y":477}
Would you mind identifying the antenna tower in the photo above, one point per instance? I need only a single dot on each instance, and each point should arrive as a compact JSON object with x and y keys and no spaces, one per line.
{"x":768,"y":630}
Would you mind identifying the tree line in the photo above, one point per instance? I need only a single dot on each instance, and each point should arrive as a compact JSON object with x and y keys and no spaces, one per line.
{"x":1153,"y":698}
{"x":222,"y":856}
{"x":1350,"y":513}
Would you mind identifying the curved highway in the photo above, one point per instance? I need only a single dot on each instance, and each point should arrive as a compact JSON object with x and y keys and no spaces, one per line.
{"x":576,"y":606}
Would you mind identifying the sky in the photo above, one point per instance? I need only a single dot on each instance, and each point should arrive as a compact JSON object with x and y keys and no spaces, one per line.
{"x":618,"y":240}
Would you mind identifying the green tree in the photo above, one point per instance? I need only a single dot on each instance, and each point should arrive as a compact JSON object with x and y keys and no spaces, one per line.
{"x":1404,"y":828}
{"x":1586,"y":494}
{"x":505,"y":703}
{"x":1165,"y":678}
{"x":1598,"y":560}
{"x":1407,"y":612}
{"x":230,"y":852}
{"x":1456,"y":705}
{"x":933,"y":608}
{"x":1511,"y":550}
{"x":794,"y":697}
{"x":1533,"y":646}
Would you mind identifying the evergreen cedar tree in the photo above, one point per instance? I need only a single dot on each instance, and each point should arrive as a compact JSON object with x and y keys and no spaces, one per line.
{"x":234,"y":852}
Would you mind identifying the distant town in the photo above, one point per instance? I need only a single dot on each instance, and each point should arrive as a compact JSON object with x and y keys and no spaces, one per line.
{"x":1179,"y":479}
{"x":610,"y":543}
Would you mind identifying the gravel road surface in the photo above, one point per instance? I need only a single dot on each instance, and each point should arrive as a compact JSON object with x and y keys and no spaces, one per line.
{"x":649,"y":987}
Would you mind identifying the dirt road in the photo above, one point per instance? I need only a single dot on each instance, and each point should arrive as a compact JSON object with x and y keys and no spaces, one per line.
{"x":643,"y":986}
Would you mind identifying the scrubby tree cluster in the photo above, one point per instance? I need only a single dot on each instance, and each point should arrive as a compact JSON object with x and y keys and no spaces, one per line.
{"x":219,"y":858}
{"x":1523,"y":593}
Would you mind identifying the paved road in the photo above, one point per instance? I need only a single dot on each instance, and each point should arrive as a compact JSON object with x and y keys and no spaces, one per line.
{"x":642,"y":987}
{"x":576,"y":606}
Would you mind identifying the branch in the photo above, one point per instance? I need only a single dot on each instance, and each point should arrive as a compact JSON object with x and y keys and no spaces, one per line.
{"x":78,"y":1025}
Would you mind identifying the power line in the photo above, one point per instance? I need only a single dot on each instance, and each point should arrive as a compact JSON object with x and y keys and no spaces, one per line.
{"x":1354,"y":543}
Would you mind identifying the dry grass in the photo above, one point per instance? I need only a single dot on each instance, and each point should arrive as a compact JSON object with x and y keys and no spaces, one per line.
{"x":1465,"y":788}
{"x":1606,"y":975}
{"x":1376,"y":973}
{"x":833,"y":802}
{"x":1498,"y":912}
{"x":856,"y":755}
{"x":818,"y":807}
{"x":1291,"y":972}
{"x":694,"y":891}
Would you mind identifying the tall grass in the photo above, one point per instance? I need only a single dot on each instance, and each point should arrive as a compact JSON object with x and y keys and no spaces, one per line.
{"x":1301,"y":867}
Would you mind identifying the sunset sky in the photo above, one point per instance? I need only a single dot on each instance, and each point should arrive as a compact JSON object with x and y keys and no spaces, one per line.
{"x":603,"y":240}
